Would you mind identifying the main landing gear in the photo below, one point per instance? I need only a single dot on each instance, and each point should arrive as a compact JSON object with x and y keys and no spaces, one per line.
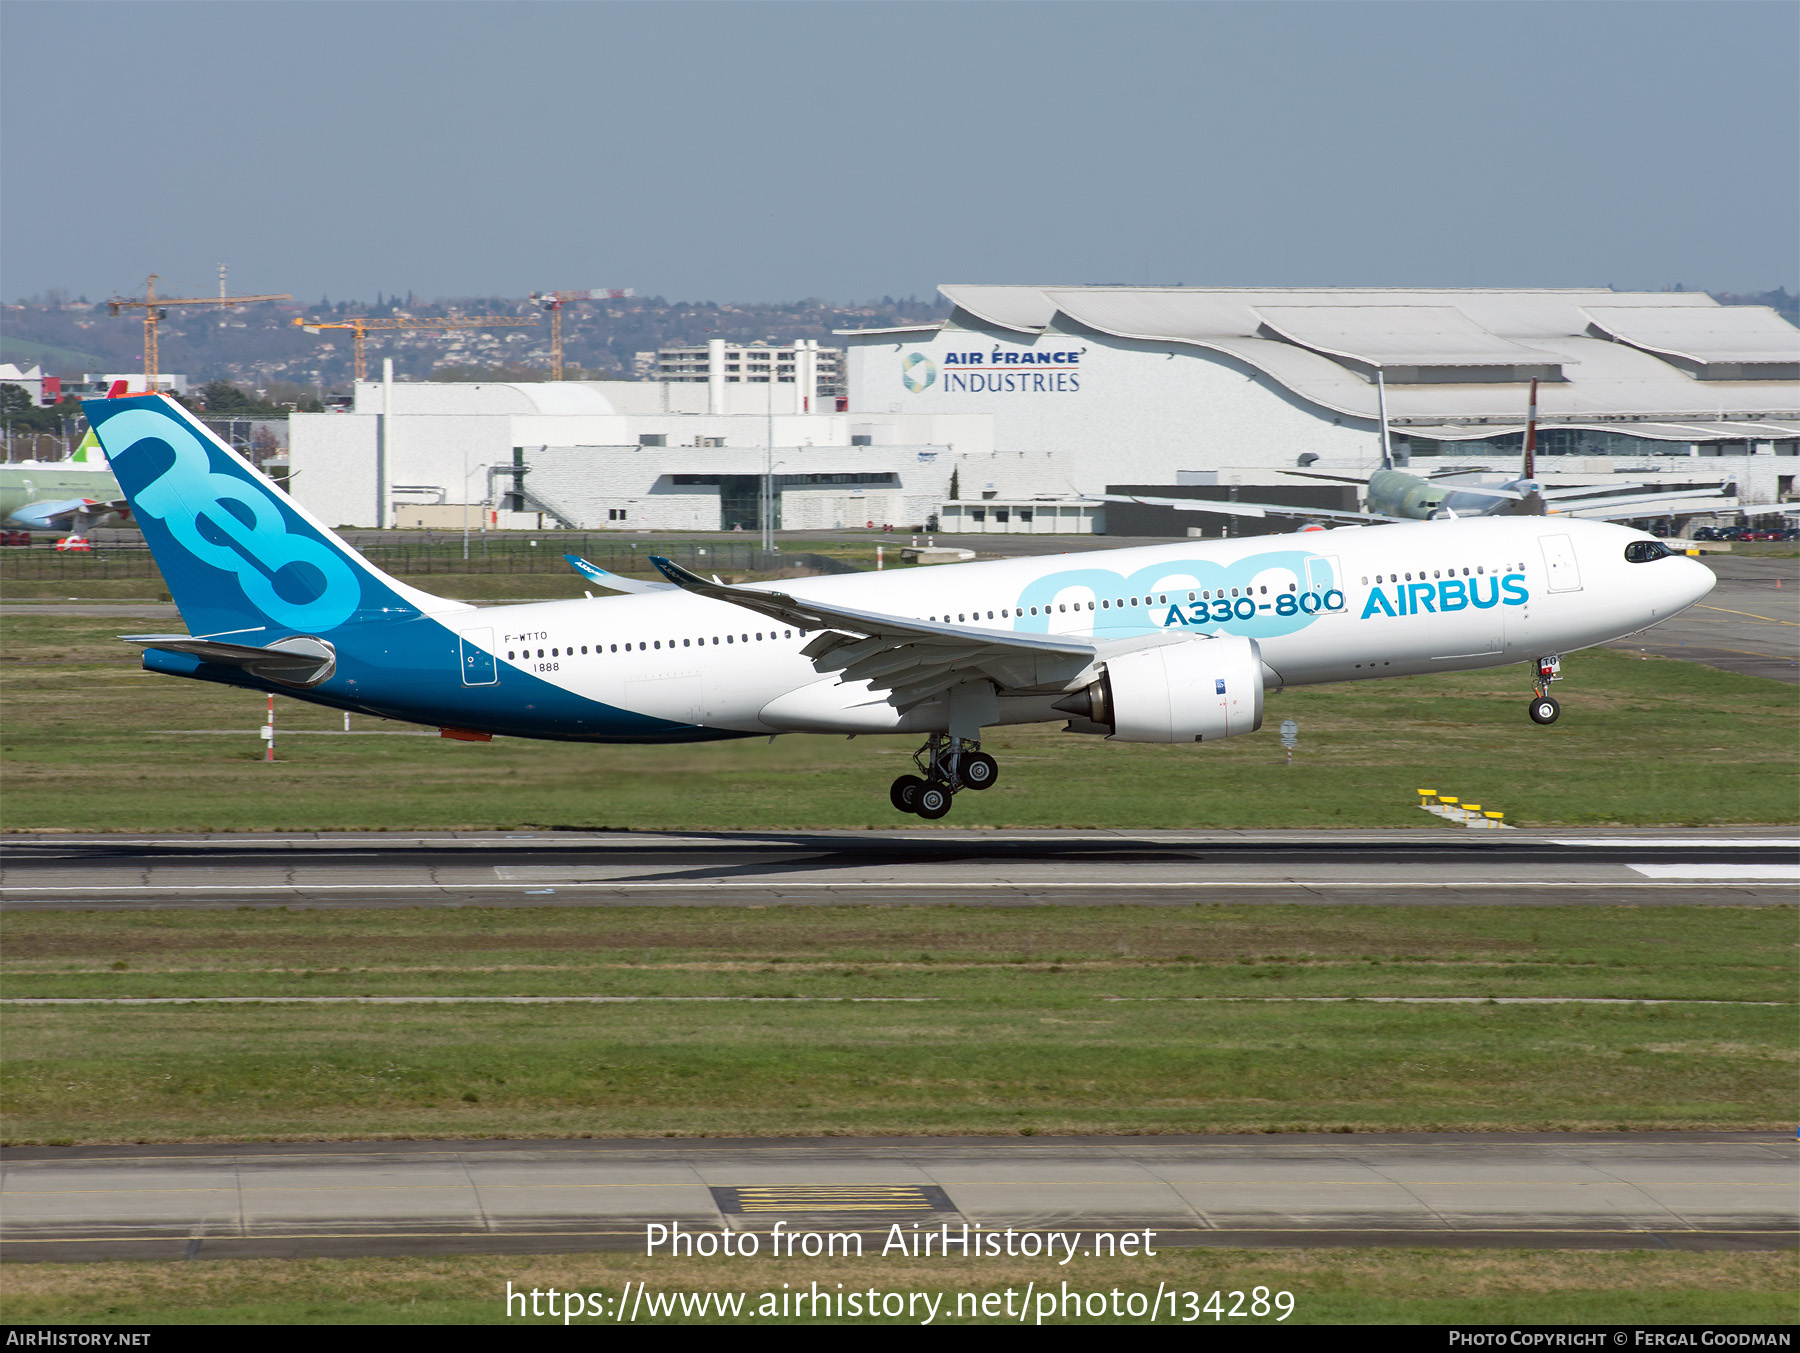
{"x":946,"y":765}
{"x":1543,"y":707}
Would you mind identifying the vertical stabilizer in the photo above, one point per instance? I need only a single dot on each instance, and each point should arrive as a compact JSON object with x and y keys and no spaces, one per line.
{"x":239,"y":556}
{"x":1387,"y":450}
{"x":1530,"y":465}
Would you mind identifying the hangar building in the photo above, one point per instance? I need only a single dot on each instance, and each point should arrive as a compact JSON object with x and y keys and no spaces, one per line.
{"x":1097,"y":385}
{"x":628,"y":455}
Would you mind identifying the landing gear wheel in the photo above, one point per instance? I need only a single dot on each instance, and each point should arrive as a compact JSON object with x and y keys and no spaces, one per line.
{"x":932,"y":802}
{"x":979,"y":770}
{"x":1544,"y":709}
{"x":904,"y":793}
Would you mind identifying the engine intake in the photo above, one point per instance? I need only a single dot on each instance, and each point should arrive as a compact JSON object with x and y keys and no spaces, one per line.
{"x":1198,"y":690}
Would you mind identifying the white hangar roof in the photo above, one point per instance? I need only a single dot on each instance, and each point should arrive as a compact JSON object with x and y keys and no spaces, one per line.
{"x":1669,"y":363}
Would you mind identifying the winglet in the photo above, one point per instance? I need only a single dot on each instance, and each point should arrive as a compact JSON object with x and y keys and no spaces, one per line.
{"x":676,"y":574}
{"x":611,"y":581}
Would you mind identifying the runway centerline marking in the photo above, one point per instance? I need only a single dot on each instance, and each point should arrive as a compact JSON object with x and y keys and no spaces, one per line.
{"x":1682,"y":843}
{"x":447,"y":1000}
{"x":773,"y":886}
{"x":1719,"y":871}
{"x":850,"y":1000}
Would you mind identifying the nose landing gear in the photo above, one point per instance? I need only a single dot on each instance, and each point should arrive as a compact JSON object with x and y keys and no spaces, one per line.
{"x":946,"y":765}
{"x":1543,"y":707}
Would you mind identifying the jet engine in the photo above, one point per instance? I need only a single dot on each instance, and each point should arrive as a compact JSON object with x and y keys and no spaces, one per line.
{"x":1193,"y":691}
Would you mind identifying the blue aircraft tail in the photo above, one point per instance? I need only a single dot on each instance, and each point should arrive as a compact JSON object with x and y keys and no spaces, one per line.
{"x":240,"y":556}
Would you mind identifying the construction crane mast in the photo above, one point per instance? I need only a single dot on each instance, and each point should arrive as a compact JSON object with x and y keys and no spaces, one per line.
{"x":154,"y":308}
{"x":553,"y":301}
{"x":363,"y":324}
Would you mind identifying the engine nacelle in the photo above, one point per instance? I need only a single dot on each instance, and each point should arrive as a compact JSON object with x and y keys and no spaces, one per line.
{"x":1194,"y":691}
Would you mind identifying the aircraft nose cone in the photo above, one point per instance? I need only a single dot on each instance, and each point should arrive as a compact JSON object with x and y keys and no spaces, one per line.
{"x":1693,"y":581}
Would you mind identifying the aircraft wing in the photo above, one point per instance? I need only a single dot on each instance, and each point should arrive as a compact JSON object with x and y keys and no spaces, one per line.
{"x":1605,"y":493}
{"x":60,"y":514}
{"x":612,"y":581}
{"x":1334,"y":478}
{"x":1635,"y":505}
{"x":1230,"y":509}
{"x":912,"y":661}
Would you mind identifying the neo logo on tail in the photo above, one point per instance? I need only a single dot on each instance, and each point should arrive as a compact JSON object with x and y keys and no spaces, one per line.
{"x":227,"y":521}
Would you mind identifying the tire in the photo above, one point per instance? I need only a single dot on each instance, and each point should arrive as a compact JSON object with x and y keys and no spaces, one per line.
{"x":979,"y":770}
{"x":1544,"y":710}
{"x":904,"y":793}
{"x":933,"y":801}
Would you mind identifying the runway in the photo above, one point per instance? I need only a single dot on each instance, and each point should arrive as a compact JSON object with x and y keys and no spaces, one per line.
{"x":1644,"y":1190}
{"x":1433,"y":865}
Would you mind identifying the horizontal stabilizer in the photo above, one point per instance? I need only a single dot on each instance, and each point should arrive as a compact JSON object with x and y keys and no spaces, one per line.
{"x":297,"y":661}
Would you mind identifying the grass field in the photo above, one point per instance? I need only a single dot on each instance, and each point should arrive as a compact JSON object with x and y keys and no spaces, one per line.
{"x":91,"y":743}
{"x":1328,"y":1286}
{"x":992,"y":1022}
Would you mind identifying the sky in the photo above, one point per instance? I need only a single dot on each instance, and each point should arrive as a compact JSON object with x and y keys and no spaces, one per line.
{"x":849,"y":149}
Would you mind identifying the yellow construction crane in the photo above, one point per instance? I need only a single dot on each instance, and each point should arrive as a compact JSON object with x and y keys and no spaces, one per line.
{"x":154,"y":310}
{"x":362,"y":324}
{"x":553,"y":301}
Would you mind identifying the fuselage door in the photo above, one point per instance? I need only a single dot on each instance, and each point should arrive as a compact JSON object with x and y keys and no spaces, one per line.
{"x":478,"y":667}
{"x":1559,"y":564}
{"x":1323,"y":576}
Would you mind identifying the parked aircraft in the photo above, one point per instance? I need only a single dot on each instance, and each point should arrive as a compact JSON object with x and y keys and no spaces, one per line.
{"x":1392,"y":494}
{"x":61,"y":495}
{"x":1162,"y":644}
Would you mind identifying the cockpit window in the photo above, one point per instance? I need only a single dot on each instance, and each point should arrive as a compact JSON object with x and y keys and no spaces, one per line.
{"x":1643,"y":551}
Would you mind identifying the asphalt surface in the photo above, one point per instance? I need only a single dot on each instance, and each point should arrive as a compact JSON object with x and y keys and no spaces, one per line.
{"x":1626,"y":1191}
{"x":1433,"y":865}
{"x":1747,"y":624}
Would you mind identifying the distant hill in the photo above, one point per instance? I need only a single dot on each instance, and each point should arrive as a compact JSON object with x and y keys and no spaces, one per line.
{"x":58,"y":360}
{"x":253,"y":344}
{"x":1780,"y":300}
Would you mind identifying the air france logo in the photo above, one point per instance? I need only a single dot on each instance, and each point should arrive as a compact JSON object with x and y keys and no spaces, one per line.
{"x":231,"y":524}
{"x":1447,"y":595}
{"x":918,"y":372}
{"x":1049,"y":371}
{"x":1002,"y":371}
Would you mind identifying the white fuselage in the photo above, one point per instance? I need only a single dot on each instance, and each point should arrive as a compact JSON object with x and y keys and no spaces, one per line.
{"x":1344,"y":605}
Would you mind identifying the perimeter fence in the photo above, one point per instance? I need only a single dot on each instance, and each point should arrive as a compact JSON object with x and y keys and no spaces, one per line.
{"x":416,"y":558}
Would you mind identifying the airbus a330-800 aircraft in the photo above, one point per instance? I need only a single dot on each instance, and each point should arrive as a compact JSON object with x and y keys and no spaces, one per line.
{"x":1169,"y":643}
